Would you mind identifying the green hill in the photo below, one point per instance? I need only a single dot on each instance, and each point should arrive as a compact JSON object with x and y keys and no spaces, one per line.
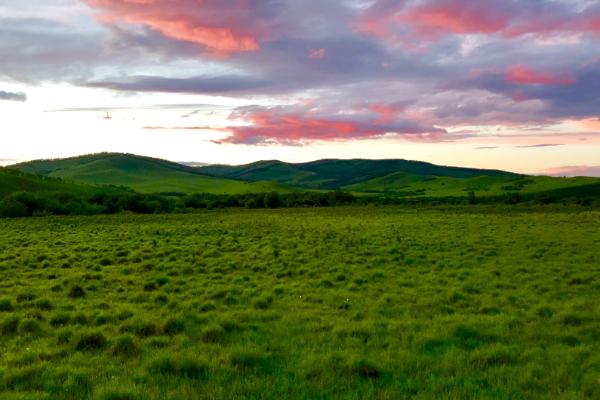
{"x":338,"y":174}
{"x":402,"y":184}
{"x":396,"y":178}
{"x":12,"y":181}
{"x":400,"y":178}
{"x":143,"y":174}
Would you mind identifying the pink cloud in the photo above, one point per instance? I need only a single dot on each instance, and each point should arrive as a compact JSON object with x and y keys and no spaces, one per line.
{"x":456,"y":17}
{"x":293,"y":126}
{"x":527,"y":76}
{"x":435,"y":19}
{"x":317,"y":54}
{"x":387,"y":112}
{"x":218,"y":27}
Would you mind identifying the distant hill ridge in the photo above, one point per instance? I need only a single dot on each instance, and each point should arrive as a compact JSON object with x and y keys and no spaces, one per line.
{"x":393,"y":177}
{"x":337,"y":173}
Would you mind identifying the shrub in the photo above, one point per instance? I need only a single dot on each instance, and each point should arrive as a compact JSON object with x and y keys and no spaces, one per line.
{"x":12,"y":208}
{"x":91,"y":342}
{"x":76,"y":292}
{"x":271,"y":200}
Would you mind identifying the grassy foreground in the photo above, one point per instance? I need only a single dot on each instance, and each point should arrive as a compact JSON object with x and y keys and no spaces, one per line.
{"x":358,"y":302}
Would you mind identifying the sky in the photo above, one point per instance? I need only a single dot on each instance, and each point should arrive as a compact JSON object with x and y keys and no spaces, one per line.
{"x":504,"y":84}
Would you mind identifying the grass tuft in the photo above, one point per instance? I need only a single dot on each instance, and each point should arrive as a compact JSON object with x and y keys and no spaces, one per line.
{"x":91,"y":342}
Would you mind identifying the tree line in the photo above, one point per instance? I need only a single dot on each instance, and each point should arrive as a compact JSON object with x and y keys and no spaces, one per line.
{"x":111,"y":201}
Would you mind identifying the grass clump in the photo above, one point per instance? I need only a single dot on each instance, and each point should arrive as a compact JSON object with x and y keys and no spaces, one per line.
{"x":251,"y":359}
{"x":366,"y":369}
{"x":30,"y":327}
{"x":186,"y":368}
{"x":173,"y":326}
{"x":263,"y":302}
{"x":6,"y":305}
{"x":44,"y":305}
{"x":76,"y":292}
{"x":60,"y":319}
{"x":124,"y":346}
{"x":213,"y":333}
{"x":91,"y":342}
{"x":9,"y":326}
{"x":118,"y":395}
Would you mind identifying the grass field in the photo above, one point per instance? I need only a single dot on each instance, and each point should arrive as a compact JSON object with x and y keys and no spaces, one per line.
{"x":340,"y":303}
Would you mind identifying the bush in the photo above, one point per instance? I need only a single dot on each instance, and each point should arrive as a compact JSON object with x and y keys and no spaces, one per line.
{"x":12,"y":208}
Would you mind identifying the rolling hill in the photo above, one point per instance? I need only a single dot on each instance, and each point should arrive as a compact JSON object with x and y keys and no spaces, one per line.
{"x":398,"y":178}
{"x":12,"y":181}
{"x":143,"y":174}
{"x":338,"y":174}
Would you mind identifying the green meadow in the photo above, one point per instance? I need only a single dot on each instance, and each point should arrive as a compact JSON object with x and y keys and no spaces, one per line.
{"x":465,"y":302}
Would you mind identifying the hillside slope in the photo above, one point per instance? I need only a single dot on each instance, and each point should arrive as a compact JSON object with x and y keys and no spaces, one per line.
{"x":337,"y":174}
{"x":12,"y":181}
{"x":143,"y":174}
{"x":401,"y":184}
